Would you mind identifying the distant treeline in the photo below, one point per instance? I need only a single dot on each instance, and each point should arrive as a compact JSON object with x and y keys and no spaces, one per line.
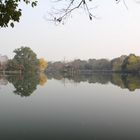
{"x":123,"y":63}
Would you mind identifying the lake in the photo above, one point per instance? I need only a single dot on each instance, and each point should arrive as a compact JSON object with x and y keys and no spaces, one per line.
{"x":65,"y":107}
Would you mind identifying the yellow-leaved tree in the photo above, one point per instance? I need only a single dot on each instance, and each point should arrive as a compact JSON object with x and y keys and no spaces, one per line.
{"x":42,"y":64}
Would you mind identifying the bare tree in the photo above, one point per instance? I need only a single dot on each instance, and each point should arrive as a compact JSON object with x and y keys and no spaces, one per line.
{"x":60,"y":15}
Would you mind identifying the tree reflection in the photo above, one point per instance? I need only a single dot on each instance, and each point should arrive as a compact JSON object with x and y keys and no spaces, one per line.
{"x":26,"y":84}
{"x":117,"y":79}
{"x":131,"y":82}
{"x":123,"y":80}
{"x":42,"y":79}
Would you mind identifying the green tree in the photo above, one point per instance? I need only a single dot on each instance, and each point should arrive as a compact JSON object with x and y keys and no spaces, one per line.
{"x":12,"y":65}
{"x":116,"y":64}
{"x":131,"y":63}
{"x":26,"y":59}
{"x":10,"y":11}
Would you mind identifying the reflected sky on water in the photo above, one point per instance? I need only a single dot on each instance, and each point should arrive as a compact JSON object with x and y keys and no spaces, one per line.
{"x":69,"y":108}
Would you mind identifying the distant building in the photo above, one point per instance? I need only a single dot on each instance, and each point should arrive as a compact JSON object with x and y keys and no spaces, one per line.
{"x":3,"y":61}
{"x":3,"y":58}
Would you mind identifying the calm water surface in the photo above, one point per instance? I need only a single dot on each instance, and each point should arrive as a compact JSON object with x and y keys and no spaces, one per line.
{"x":93,"y":107}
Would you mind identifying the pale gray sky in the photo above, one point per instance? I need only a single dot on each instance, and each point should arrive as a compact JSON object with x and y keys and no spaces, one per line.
{"x":117,"y":32}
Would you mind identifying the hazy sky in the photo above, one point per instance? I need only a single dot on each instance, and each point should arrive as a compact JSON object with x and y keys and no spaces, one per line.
{"x":116,"y":32}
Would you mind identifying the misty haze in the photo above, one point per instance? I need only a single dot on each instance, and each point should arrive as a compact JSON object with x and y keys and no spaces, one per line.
{"x":69,"y":70}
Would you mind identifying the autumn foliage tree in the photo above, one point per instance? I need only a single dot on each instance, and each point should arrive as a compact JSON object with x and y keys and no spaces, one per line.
{"x":42,"y":64}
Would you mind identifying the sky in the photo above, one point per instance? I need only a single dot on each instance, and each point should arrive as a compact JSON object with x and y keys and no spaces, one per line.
{"x":115,"y":32}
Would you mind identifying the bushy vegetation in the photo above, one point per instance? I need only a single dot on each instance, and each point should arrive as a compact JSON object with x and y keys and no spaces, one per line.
{"x":123,"y":63}
{"x":26,"y":61}
{"x":116,"y":64}
{"x":131,"y":63}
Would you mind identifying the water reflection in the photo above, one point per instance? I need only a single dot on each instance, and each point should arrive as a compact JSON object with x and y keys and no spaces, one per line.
{"x":42,"y":79}
{"x":128,"y":81}
{"x":26,"y":84}
{"x":3,"y":80}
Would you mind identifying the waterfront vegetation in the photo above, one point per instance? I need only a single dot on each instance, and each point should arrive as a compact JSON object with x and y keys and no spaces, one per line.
{"x":122,"y":64}
{"x":24,"y":61}
{"x":26,"y":84}
{"x":123,"y":80}
{"x":29,"y":71}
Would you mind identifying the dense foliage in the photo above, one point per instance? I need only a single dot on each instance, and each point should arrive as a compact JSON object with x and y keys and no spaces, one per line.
{"x":25,"y":60}
{"x":131,"y":63}
{"x":10,"y":11}
{"x":116,"y":64}
{"x":123,"y":63}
